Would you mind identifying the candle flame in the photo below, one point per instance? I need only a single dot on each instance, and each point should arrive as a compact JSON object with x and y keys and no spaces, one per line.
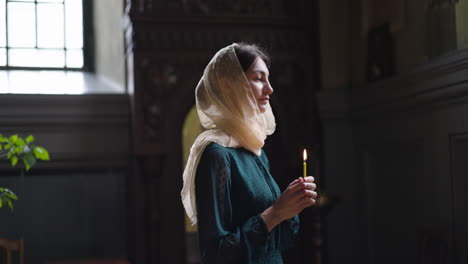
{"x":305,"y":155}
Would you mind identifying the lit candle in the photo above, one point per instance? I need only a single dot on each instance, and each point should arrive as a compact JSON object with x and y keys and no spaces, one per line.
{"x":305,"y":163}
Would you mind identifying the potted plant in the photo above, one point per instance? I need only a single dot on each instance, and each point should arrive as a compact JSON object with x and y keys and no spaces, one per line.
{"x":15,"y":149}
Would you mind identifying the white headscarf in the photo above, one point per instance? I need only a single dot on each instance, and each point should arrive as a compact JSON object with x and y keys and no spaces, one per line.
{"x":227,"y":107}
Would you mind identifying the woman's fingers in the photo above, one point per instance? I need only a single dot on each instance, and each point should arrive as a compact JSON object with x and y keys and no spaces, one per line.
{"x":306,"y":202}
{"x":298,"y":195}
{"x":309,"y":186}
{"x":310,"y":194}
{"x":307,"y":182}
{"x":299,"y":192}
{"x":302,"y":188}
{"x":296,"y":187}
{"x":296,"y":181}
{"x":309,"y":179}
{"x":305,"y":186}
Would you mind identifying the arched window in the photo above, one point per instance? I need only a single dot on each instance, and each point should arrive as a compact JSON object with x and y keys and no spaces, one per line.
{"x":190,"y":131}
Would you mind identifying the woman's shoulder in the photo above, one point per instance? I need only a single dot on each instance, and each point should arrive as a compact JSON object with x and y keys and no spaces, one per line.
{"x":215,"y":150}
{"x":214,"y":156}
{"x":214,"y":147}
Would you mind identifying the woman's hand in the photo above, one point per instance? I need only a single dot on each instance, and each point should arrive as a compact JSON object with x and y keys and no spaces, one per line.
{"x":298,"y":195}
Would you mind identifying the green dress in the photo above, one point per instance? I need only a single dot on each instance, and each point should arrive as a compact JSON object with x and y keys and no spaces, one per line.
{"x":233,"y":187}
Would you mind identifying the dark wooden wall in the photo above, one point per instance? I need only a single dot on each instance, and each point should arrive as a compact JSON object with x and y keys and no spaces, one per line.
{"x":73,"y":206}
{"x":169,"y":44}
{"x":396,"y":154}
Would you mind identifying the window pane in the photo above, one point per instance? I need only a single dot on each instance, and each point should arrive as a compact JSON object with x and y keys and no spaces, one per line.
{"x":36,"y":58}
{"x":75,"y":58}
{"x":50,"y":26}
{"x":2,"y":57}
{"x":2,"y":24}
{"x":74,"y":24}
{"x":21,"y":21}
{"x":24,"y":0}
{"x":50,"y":1}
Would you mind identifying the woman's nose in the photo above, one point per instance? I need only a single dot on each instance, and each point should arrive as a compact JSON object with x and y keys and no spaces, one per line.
{"x":267,"y":89}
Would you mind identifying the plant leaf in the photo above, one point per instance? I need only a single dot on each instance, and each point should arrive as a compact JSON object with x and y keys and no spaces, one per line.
{"x":18,"y":150}
{"x":30,"y":139}
{"x":20,"y":142}
{"x":29,"y":160}
{"x":11,"y":195}
{"x":1,"y":202}
{"x":41,"y":153}
{"x":10,"y":203}
{"x":14,"y":160}
{"x":13,"y":138}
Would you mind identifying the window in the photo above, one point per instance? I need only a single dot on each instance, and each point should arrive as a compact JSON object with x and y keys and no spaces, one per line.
{"x":44,"y":34}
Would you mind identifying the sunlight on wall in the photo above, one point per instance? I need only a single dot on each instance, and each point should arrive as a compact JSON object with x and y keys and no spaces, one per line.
{"x":190,"y":131}
{"x":54,"y":82}
{"x":109,"y":48}
{"x":461,"y":10}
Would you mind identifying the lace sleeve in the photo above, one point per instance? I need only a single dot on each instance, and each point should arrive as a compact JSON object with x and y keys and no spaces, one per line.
{"x":289,"y":230}
{"x":219,"y":240}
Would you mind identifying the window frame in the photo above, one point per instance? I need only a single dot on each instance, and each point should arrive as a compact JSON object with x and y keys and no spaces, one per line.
{"x":88,"y":42}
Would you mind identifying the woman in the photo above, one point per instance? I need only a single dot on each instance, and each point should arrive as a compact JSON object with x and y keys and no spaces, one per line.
{"x":228,"y":190}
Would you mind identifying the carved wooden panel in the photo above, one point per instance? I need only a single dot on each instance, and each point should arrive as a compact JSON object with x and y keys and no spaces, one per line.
{"x":208,"y":37}
{"x":163,"y":82}
{"x":234,"y":8}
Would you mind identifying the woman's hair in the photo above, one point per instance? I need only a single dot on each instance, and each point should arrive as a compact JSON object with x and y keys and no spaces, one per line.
{"x":247,"y":53}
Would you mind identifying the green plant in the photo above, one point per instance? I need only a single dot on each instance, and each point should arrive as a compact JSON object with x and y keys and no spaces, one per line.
{"x":7,"y":197}
{"x":15,"y":148}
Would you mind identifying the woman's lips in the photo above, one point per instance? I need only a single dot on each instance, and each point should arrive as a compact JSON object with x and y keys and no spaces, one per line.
{"x":264,"y":100}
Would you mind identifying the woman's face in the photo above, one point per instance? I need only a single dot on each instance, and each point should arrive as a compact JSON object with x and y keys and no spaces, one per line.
{"x":257,"y":75}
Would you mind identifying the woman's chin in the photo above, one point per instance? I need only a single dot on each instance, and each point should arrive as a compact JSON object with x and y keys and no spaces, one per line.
{"x":262,"y":108}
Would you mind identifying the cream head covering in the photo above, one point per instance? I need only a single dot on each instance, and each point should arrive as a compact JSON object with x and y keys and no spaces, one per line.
{"x":227,"y":107}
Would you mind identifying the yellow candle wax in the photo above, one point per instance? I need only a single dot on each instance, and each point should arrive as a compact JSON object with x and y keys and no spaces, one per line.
{"x":305,"y":163}
{"x":305,"y":169}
